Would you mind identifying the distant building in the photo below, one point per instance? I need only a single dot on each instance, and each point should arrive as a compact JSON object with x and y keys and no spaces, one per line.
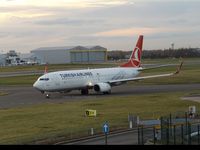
{"x":12,"y":58}
{"x":29,"y":59}
{"x":71,"y":54}
{"x":2,"y":59}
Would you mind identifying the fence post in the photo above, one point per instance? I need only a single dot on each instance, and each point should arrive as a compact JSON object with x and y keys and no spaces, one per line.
{"x":92,"y":131}
{"x":198,"y":135}
{"x":189,"y":134}
{"x":154,"y":135}
{"x":167,"y":132}
{"x":174,"y":134}
{"x":106,"y":138}
{"x":182,"y":134}
{"x":170,"y":123}
{"x":161,"y":130}
{"x":138,"y":135}
{"x":142,"y":136}
{"x":131,"y":124}
{"x":186,"y":123}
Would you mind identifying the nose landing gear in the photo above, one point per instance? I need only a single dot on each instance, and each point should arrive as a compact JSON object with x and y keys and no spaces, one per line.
{"x":47,"y":95}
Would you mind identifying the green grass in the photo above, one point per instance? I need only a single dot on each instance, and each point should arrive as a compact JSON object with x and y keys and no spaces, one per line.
{"x":55,"y":67}
{"x":18,"y":80}
{"x":89,"y":65}
{"x":47,"y":121}
{"x":189,"y":73}
{"x":169,"y":60}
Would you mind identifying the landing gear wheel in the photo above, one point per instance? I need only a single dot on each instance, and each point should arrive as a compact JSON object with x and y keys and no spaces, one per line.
{"x":84,"y":91}
{"x":108,"y":92}
{"x":47,"y":95}
{"x":42,"y":92}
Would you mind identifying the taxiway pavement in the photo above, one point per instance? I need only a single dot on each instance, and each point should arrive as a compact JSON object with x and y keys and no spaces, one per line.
{"x":19,"y":96}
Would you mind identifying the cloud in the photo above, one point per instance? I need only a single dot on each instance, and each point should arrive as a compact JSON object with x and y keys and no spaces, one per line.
{"x":65,"y":3}
{"x":104,"y":3}
{"x":67,"y":21}
{"x":113,"y":24}
{"x":126,"y":32}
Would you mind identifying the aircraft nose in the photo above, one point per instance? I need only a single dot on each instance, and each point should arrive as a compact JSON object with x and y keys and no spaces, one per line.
{"x":36,"y":85}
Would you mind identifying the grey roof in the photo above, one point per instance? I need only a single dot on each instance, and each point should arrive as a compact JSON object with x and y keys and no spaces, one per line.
{"x":70,"y":48}
{"x":26,"y":55}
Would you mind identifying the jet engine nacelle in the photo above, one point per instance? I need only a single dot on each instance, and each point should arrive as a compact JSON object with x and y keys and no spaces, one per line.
{"x":102,"y":87}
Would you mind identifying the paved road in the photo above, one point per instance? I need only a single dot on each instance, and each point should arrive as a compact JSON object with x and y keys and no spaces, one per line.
{"x":131,"y":137}
{"x":24,"y":96}
{"x":126,"y":138}
{"x":123,"y":138}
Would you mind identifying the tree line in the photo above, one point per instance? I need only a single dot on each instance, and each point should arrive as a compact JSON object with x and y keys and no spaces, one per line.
{"x":166,"y":53}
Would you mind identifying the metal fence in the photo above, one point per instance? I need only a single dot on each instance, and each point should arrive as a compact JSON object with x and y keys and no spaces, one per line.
{"x":174,"y":129}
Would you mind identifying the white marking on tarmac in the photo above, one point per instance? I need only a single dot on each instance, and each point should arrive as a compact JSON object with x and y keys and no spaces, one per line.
{"x":192,"y":98}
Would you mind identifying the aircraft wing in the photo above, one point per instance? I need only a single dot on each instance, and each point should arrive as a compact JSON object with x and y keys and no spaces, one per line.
{"x":141,"y":78}
{"x":160,"y":66}
{"x":148,"y":77}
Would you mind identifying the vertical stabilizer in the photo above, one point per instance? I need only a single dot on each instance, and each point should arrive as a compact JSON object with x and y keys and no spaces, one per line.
{"x":135,"y":59}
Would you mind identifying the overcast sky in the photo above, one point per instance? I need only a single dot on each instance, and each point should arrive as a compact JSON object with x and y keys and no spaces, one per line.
{"x":115,"y":24}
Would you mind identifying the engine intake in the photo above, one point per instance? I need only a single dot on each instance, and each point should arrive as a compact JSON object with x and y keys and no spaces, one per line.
{"x":102,"y":87}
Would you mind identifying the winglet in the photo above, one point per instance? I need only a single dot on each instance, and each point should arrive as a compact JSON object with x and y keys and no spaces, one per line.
{"x":179,"y":68}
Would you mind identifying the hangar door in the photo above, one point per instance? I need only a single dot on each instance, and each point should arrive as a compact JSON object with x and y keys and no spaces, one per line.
{"x":97,"y":56}
{"x":79,"y":57}
{"x":89,"y":56}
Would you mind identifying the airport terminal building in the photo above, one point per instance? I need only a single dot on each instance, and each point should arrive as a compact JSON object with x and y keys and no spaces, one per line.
{"x":71,"y":54}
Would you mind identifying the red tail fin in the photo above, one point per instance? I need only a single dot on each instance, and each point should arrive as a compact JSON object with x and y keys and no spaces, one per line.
{"x":135,"y":59}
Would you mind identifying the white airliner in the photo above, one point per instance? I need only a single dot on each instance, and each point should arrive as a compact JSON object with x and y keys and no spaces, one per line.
{"x":100,"y":80}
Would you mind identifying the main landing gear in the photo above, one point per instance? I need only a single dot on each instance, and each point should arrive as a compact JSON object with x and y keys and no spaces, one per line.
{"x":84,"y":91}
{"x":107,"y":93}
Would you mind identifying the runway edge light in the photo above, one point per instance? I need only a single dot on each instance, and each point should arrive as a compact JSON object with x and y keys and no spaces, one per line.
{"x":91,"y":113}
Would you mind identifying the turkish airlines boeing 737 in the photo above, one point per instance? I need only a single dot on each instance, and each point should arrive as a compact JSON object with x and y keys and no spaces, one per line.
{"x":101,"y":80}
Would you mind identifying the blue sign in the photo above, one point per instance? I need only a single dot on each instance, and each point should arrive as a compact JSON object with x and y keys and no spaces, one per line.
{"x":105,"y":128}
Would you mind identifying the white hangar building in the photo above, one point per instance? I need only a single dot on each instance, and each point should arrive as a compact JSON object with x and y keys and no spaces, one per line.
{"x":71,"y":54}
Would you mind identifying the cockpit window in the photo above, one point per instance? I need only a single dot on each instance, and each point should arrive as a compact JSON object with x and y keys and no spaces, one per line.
{"x":44,"y":79}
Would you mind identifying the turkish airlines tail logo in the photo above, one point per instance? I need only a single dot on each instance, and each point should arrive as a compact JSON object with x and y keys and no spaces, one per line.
{"x":135,"y":59}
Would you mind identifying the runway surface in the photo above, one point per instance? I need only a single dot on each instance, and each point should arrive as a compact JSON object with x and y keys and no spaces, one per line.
{"x":26,"y":96}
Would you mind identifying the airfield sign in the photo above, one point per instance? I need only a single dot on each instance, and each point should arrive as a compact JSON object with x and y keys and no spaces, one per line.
{"x":105,"y":131}
{"x":105,"y":128}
